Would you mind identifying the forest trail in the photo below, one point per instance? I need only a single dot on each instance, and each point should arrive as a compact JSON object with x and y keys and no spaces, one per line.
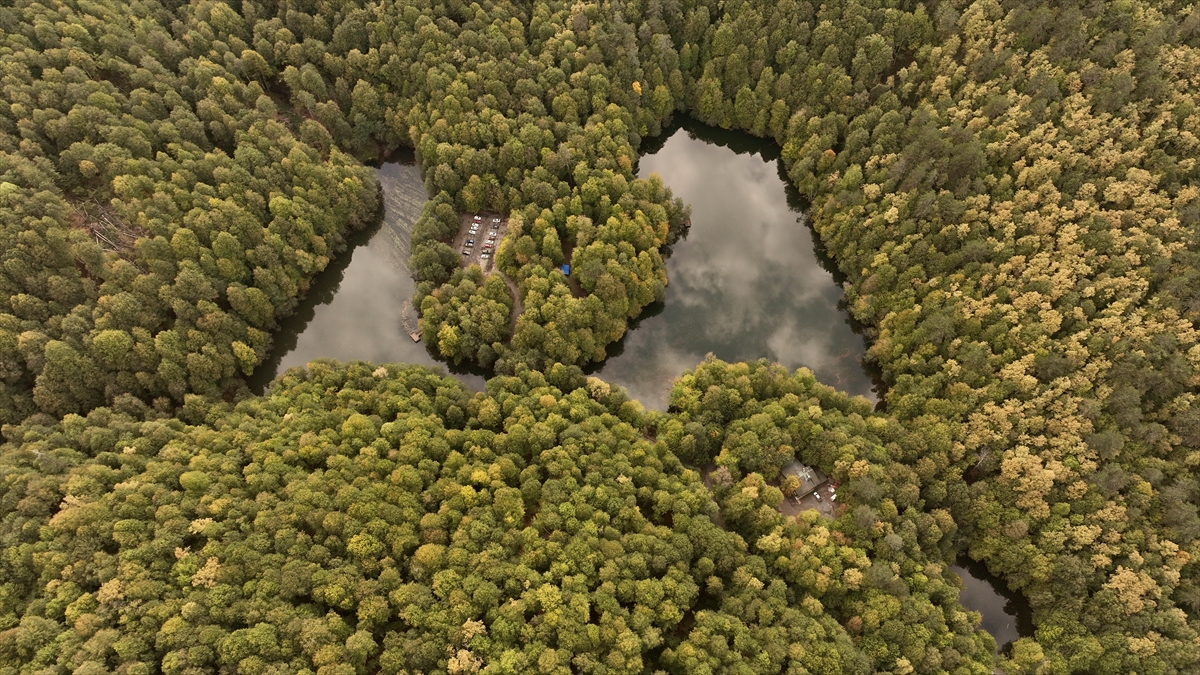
{"x":518,"y":307}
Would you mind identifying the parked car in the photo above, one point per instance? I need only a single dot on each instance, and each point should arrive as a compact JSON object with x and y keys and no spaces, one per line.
{"x":496,"y":221}
{"x":478,"y":219}
{"x":817,"y":496}
{"x":470,"y":242}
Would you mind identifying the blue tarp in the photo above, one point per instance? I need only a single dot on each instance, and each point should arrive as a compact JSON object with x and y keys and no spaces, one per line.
{"x":566,"y":269}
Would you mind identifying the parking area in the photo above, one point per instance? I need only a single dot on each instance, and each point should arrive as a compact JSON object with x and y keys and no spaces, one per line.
{"x":823,"y":500}
{"x":478,"y":237}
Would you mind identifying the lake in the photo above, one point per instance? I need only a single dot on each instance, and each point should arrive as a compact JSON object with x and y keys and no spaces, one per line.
{"x":359,"y":308}
{"x":747,"y":281}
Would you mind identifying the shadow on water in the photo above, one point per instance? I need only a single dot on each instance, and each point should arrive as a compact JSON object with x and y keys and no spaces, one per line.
{"x":401,"y":155}
{"x":617,"y":348}
{"x":747,"y":280}
{"x":322,"y":290}
{"x":798,"y":203}
{"x":1006,"y":613}
{"x":739,"y":142}
{"x":359,"y":307}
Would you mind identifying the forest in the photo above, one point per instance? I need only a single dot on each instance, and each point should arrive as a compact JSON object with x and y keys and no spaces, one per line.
{"x":1008,"y":187}
{"x":381,"y":520}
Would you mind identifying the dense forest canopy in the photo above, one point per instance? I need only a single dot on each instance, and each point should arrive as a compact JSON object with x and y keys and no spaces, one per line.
{"x":1009,"y":188}
{"x":380,"y":520}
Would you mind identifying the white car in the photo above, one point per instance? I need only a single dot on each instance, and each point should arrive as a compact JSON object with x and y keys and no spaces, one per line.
{"x":495,"y":221}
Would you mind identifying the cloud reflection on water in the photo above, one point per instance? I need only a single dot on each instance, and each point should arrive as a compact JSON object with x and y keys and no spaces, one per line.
{"x":744,"y":284}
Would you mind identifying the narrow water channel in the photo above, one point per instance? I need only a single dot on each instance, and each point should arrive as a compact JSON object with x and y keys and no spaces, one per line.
{"x":359,"y":308}
{"x":745,"y":283}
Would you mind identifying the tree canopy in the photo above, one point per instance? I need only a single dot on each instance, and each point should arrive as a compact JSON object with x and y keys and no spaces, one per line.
{"x":363,"y":519}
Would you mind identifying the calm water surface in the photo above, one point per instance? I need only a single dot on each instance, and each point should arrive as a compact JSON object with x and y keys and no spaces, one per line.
{"x":1006,"y":615}
{"x":746,"y":282}
{"x":358,"y":308}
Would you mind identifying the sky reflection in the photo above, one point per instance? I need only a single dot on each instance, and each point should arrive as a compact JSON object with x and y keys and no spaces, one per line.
{"x":744,"y":284}
{"x":356,"y":313}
